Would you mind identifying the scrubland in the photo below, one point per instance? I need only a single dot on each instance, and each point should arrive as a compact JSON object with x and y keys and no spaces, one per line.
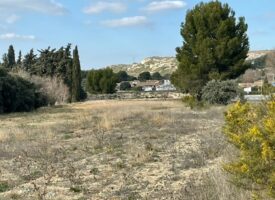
{"x":116,"y":150}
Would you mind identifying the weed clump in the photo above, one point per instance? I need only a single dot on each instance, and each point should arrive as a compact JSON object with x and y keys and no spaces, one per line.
{"x":193,"y":102}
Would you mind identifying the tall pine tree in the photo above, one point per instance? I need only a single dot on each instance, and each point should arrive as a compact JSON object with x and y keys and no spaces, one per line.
{"x":76,"y":77}
{"x":11,"y":57}
{"x":19,"y":60}
{"x":215,"y":46}
{"x":29,"y":62}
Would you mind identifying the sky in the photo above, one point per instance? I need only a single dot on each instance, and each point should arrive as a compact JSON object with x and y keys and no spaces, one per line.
{"x":117,"y":31}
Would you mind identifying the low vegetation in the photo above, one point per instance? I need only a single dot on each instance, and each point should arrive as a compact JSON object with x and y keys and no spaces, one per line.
{"x":18,"y":94}
{"x":115,"y":150}
{"x":50,"y":63}
{"x":221,"y":92}
{"x":251,"y":129}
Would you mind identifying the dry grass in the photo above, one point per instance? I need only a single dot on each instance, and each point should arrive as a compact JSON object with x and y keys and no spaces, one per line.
{"x":115,"y":150}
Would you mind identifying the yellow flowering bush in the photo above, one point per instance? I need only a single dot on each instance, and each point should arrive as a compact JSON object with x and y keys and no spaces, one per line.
{"x":251,"y":129}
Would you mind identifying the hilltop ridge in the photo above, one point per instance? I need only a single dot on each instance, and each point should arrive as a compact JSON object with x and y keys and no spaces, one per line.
{"x":167,"y":65}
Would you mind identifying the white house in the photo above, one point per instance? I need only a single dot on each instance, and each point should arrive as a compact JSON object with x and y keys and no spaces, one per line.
{"x":247,"y":90}
{"x":149,"y":85}
{"x":166,"y":86}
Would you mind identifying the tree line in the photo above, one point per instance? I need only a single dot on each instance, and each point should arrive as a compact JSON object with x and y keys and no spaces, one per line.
{"x":63,"y":63}
{"x":104,"y":81}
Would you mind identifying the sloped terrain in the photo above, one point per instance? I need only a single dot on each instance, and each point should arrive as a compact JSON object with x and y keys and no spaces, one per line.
{"x":167,"y":65}
{"x":163,"y":65}
{"x":115,"y":150}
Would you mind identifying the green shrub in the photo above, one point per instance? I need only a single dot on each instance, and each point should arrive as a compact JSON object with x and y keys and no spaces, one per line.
{"x":75,"y":189}
{"x":4,"y":187}
{"x":193,"y":102}
{"x":125,"y":86}
{"x":18,"y":95}
{"x":251,"y":129}
{"x":137,"y":89}
{"x":101,"y":81}
{"x":144,"y":76}
{"x":220,"y":92}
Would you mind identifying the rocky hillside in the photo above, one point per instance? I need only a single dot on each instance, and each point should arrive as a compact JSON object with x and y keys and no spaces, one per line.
{"x":166,"y":65}
{"x":163,"y":65}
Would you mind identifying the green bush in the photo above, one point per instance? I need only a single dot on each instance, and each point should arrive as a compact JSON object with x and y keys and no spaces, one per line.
{"x":250,"y":128}
{"x":125,"y":86}
{"x":137,"y":89}
{"x":144,"y":76}
{"x":4,"y":187}
{"x":193,"y":102}
{"x":18,"y":95}
{"x":123,"y":76}
{"x":220,"y":92}
{"x":102,"y":81}
{"x":157,"y":76}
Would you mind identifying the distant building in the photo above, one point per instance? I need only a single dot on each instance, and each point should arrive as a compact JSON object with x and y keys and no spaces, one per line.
{"x":258,"y":83}
{"x":166,"y":86}
{"x":247,"y":87}
{"x":153,"y":85}
{"x":148,"y":86}
{"x":247,"y":90}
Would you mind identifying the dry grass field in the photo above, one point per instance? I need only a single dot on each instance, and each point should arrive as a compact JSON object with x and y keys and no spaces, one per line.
{"x":115,"y":150}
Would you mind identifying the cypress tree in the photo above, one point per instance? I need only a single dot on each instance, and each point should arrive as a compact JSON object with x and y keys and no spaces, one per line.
{"x":19,"y":60}
{"x":11,"y":57}
{"x":76,"y":77}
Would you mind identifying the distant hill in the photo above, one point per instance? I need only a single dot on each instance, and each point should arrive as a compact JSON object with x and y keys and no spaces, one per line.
{"x":167,"y":65}
{"x":163,"y":65}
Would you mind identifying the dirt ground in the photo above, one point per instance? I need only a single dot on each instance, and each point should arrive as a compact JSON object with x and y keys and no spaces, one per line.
{"x":115,"y":150}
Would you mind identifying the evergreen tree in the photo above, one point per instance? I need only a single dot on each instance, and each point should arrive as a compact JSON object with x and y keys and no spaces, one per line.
{"x":215,"y":46}
{"x":125,"y":85}
{"x":29,"y":62}
{"x":46,"y":63}
{"x":102,"y":81}
{"x":5,"y":61}
{"x":76,"y":77}
{"x":144,"y":76}
{"x":11,"y":57}
{"x":122,"y":76}
{"x":156,"y":76}
{"x":64,"y":68}
{"x":19,"y":60}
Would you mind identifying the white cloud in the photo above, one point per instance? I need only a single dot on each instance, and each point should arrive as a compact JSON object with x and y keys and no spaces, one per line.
{"x":156,"y":6}
{"x":126,"y":21}
{"x":99,"y":7}
{"x":13,"y":36}
{"x":12,"y":19}
{"x":42,"y":6}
